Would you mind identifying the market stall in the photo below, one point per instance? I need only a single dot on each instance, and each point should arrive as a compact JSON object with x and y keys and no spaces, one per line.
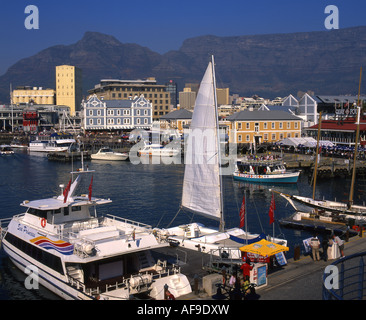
{"x":261,"y":253}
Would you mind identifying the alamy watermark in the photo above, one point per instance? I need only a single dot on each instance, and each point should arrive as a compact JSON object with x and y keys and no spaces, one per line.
{"x":200,"y":148}
{"x":331,"y":281}
{"x":32,"y":19}
{"x":332,"y":20}
{"x":32,"y":281}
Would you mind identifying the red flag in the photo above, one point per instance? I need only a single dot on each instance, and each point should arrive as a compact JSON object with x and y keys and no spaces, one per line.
{"x":242,"y":213}
{"x":66,"y":191}
{"x":90,"y":188}
{"x":271,"y":210}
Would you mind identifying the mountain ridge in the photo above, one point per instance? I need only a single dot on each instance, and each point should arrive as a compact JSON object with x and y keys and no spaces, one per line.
{"x":270,"y":65}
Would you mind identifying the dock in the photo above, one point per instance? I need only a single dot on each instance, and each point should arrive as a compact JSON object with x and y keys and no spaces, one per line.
{"x":317,"y":225}
{"x":299,"y":279}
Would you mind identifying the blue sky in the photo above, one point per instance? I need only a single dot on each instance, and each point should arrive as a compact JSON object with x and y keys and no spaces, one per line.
{"x":161,"y":25}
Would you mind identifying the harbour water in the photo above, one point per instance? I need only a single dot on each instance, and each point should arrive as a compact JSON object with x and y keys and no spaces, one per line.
{"x":148,"y":193}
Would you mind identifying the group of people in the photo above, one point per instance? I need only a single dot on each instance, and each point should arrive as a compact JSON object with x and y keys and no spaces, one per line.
{"x":239,"y":282}
{"x":326,"y":245}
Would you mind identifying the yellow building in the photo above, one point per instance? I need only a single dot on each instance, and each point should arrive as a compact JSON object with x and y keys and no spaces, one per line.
{"x":222,"y":96}
{"x":33,"y":95}
{"x":69,"y":87}
{"x":263,"y":126}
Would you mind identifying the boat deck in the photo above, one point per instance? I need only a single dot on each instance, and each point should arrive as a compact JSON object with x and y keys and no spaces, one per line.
{"x":316,"y":225}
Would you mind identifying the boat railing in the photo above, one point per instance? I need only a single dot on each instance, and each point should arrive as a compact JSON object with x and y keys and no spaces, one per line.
{"x":224,"y":256}
{"x":136,"y":283}
{"x":4,"y":226}
{"x":129,"y":222}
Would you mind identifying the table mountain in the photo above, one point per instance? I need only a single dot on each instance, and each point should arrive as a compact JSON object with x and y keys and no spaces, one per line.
{"x":326,"y":62}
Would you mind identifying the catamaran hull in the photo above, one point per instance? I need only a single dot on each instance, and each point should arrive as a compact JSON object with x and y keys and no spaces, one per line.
{"x":273,"y":178}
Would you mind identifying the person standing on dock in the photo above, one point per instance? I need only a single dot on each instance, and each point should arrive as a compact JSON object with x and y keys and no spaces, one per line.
{"x":246,"y":268}
{"x":315,"y":244}
{"x":340,"y":243}
{"x":325,"y":245}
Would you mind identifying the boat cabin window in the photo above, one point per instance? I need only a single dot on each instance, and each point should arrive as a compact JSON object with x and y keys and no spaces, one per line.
{"x":76,"y":208}
{"x":66,"y":211}
{"x":38,"y":213}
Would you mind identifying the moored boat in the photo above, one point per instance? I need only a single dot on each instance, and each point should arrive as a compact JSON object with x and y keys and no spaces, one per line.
{"x":110,"y":155}
{"x":202,"y":185}
{"x":6,"y":150}
{"x":55,"y":142}
{"x":270,"y":171}
{"x":79,"y":255}
{"x":158,"y":150}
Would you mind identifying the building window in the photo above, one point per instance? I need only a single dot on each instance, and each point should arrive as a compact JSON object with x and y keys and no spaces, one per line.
{"x":91,"y":122}
{"x":288,"y":125}
{"x":138,"y":121}
{"x":248,"y":137}
{"x":99,"y":112}
{"x":126,"y":112}
{"x":265,"y":137}
{"x":273,"y":125}
{"x":248,"y":125}
{"x":296,"y":125}
{"x":265,"y":125}
{"x":273,"y":136}
{"x":281,"y":125}
{"x":146,"y":121}
{"x":90,"y":112}
{"x":239,"y":125}
{"x":239,"y":137}
{"x":99,"y":121}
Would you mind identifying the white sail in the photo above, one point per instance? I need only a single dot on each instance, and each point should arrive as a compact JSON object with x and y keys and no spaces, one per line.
{"x":202,"y":183}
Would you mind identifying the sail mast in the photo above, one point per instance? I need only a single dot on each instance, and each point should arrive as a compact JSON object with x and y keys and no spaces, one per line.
{"x":350,"y":201}
{"x":316,"y":156}
{"x":222,"y":220}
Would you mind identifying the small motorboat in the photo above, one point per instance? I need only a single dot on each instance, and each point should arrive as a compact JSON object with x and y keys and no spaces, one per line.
{"x":108,"y":154}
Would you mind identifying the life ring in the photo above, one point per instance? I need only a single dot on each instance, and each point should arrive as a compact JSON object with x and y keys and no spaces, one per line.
{"x":43,"y":222}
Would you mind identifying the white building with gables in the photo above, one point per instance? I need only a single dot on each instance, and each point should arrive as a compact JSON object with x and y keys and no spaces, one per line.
{"x":117,"y":114}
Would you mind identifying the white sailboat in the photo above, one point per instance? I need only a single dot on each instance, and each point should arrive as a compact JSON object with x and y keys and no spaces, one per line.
{"x":202,"y":185}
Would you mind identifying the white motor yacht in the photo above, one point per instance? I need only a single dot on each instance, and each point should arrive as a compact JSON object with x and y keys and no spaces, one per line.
{"x":80,"y":255}
{"x":106,"y":153}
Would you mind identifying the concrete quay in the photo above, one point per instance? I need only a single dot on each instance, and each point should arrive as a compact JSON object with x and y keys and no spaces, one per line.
{"x":298,"y":280}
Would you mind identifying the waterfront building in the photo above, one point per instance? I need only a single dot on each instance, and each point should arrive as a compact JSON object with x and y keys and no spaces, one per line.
{"x":113,"y":89}
{"x":32,"y":95}
{"x":341,"y":131}
{"x":262,"y":126}
{"x":187,"y":99}
{"x":172,"y":88}
{"x":222,"y":96}
{"x":117,"y":114}
{"x":11,"y":117}
{"x":32,"y":118}
{"x":177,"y":119}
{"x":69,"y":87}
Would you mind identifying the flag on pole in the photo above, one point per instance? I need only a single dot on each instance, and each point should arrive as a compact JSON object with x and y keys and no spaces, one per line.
{"x":90,"y":188}
{"x":242,"y":213}
{"x":66,"y":191}
{"x":272,"y":208}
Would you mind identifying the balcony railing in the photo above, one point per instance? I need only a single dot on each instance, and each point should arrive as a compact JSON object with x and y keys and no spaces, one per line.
{"x":346,"y":279}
